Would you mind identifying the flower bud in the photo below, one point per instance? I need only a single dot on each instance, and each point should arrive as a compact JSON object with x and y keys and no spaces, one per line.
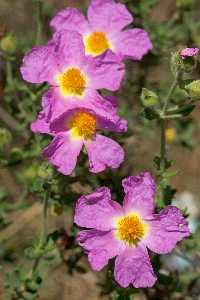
{"x":176,"y":63}
{"x":45,"y":171}
{"x":193,"y":89}
{"x":148,"y":98}
{"x":9,"y":44}
{"x":184,"y":3}
{"x":30,"y":172}
{"x":5,"y":138}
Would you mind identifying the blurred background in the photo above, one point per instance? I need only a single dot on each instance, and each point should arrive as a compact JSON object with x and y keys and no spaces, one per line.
{"x":171,"y":25}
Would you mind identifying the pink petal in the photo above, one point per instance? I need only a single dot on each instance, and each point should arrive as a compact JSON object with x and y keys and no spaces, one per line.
{"x":106,"y":72}
{"x":69,"y":48}
{"x":70,"y":19}
{"x":140,"y":192}
{"x":132,"y":43}
{"x":108,"y":16}
{"x":103,"y":152}
{"x":166,"y":229}
{"x":97,"y":210}
{"x":39,"y":65}
{"x":101,"y":246}
{"x":189,"y":52}
{"x":63,"y":153}
{"x":134,"y":267}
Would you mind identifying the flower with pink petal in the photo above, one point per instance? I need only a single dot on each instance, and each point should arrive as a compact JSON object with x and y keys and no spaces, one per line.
{"x":126,"y":231}
{"x":74,"y":78}
{"x":104,"y":29}
{"x":78,"y":127}
{"x":189,"y":52}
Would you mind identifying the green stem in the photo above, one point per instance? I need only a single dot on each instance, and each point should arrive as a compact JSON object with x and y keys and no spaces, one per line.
{"x":39,"y":22}
{"x":9,"y":74}
{"x":162,"y":130}
{"x":45,"y":212}
{"x":162,"y":154}
{"x":44,"y":234}
{"x":162,"y":146}
{"x":171,"y":90}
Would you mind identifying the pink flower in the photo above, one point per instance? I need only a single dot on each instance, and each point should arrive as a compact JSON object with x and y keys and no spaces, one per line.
{"x":74,"y":78}
{"x":189,"y":52}
{"x":77,"y":128}
{"x":126,"y":231}
{"x":105,"y":29}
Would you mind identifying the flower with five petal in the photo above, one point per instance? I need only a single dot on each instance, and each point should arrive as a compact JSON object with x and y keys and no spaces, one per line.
{"x":104,"y":29}
{"x":126,"y":231}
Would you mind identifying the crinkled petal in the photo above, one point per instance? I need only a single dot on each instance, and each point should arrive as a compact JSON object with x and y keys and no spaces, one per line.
{"x":63,"y":153}
{"x":132,"y":43}
{"x":108,"y":15}
{"x":70,"y":19}
{"x":40,"y":125}
{"x":166,"y":229}
{"x":39,"y":65}
{"x":52,"y":107}
{"x":112,"y":99}
{"x":69,"y":48}
{"x":139,"y":194}
{"x":44,"y":63}
{"x":112,"y":122}
{"x":103,"y":152}
{"x":133,"y":267}
{"x":106,"y":72}
{"x":101,"y":246}
{"x":100,"y":108}
{"x":97,"y":210}
{"x":56,"y":110}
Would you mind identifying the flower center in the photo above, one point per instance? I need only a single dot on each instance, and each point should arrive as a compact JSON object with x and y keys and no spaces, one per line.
{"x":96,"y":43}
{"x":72,"y":82}
{"x":83,"y":124}
{"x":131,"y":229}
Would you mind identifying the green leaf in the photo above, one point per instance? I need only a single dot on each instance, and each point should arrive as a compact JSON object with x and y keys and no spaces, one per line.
{"x":150,"y":114}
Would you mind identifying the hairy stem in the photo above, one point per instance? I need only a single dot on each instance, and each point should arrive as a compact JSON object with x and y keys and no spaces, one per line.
{"x":171,"y":90}
{"x":43,"y":239}
{"x":45,"y":211}
{"x":162,"y":131}
{"x":162,"y":146}
{"x":9,"y":73}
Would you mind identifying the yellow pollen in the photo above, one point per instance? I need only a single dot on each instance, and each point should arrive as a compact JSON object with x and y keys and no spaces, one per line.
{"x":83,"y":124}
{"x":72,"y":82}
{"x":131,"y":229}
{"x":96,"y":43}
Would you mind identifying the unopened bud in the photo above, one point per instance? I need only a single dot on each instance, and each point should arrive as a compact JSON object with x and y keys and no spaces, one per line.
{"x":5,"y":138}
{"x":45,"y":171}
{"x":184,"y":3}
{"x":193,"y":89}
{"x":176,"y":63}
{"x":9,"y":44}
{"x":148,"y":98}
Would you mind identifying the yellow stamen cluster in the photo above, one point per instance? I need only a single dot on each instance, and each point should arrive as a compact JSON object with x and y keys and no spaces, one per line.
{"x":131,"y":229}
{"x":72,"y":82}
{"x":96,"y":43}
{"x":83,"y":124}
